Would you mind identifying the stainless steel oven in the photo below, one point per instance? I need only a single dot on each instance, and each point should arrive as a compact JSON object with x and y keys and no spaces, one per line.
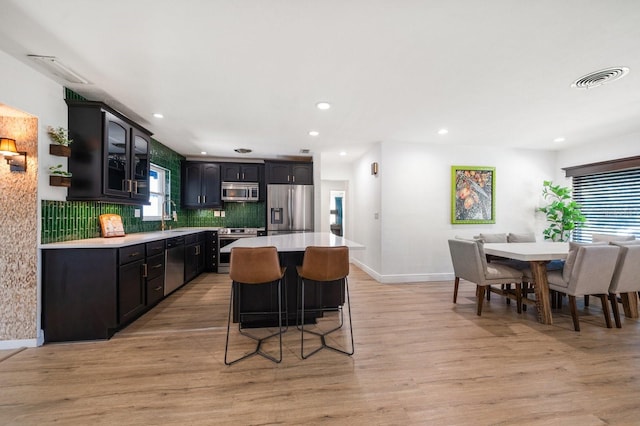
{"x":225,"y":237}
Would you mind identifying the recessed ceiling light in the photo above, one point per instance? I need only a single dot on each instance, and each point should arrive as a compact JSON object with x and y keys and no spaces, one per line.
{"x":203,"y":152}
{"x":158,"y":115}
{"x":242,"y":150}
{"x":342,"y":153}
{"x":323,"y":105}
{"x":314,"y":133}
{"x":559,"y":139}
{"x":443,"y":131}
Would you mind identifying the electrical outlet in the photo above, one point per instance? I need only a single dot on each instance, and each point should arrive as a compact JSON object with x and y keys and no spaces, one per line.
{"x":136,"y":212}
{"x":222,"y":213}
{"x":216,"y":213}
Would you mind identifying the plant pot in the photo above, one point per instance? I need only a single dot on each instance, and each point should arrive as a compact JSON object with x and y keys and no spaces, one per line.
{"x":60,"y":181}
{"x":59,"y":150}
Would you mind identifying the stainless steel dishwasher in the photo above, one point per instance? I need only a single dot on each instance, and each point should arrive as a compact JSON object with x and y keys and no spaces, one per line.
{"x":174,"y":269}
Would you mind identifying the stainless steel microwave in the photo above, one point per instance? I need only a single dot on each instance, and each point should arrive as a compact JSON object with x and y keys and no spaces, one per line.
{"x":240,"y":191}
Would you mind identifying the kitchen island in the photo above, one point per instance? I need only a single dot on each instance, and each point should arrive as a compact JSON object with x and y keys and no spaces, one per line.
{"x":291,"y":249}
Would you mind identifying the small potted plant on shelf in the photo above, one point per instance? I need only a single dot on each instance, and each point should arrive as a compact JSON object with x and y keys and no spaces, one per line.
{"x":60,"y":136}
{"x":563,"y":213}
{"x":59,"y":177}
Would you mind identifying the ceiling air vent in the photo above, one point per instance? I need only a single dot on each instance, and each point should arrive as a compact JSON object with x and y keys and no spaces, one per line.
{"x":597,"y":78}
{"x":242,"y":150}
{"x":305,"y":151}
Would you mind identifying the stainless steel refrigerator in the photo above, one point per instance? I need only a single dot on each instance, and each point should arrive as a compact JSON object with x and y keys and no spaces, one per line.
{"x":289,"y":209}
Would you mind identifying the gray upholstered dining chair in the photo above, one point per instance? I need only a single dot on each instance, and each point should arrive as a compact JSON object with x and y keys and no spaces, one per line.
{"x":470,"y":263}
{"x":587,"y":271}
{"x":626,"y":277}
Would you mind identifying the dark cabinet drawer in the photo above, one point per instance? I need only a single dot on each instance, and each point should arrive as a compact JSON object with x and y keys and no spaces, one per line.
{"x":155,"y":290}
{"x":131,"y":253}
{"x":155,"y":247}
{"x":155,"y":266}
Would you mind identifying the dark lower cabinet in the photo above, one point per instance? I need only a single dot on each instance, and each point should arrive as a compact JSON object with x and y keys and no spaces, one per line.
{"x":155,"y":279}
{"x":211,"y":251}
{"x":79,"y":294}
{"x":194,"y":255}
{"x":131,"y":291}
{"x":90,"y":293}
{"x":155,"y":267}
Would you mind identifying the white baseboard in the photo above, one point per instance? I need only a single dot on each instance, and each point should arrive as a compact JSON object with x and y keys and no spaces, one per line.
{"x":402,"y":278}
{"x":17,"y":344}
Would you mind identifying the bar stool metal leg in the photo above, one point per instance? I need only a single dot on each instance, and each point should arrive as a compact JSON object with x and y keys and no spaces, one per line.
{"x":258,"y":350}
{"x":323,"y":335}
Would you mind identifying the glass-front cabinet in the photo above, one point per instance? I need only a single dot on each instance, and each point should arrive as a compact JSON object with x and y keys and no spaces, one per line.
{"x":115,"y":169}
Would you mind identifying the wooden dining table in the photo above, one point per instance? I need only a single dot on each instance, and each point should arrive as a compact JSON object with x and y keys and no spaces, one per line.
{"x":538,"y":254}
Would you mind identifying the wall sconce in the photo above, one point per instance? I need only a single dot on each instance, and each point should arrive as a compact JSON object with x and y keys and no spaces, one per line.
{"x":16,"y":160}
{"x":374,"y":168}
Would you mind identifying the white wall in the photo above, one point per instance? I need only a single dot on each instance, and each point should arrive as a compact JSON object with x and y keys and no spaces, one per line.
{"x":25,"y":89}
{"x":413,"y":196}
{"x":612,"y":149}
{"x":364,"y":203}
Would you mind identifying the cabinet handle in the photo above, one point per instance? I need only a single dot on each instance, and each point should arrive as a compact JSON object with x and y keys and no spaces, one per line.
{"x":198,"y":199}
{"x":197,"y":250}
{"x":158,"y":288}
{"x":242,"y":175}
{"x":288,"y":178}
{"x":145,"y":273}
{"x":237,"y":175}
{"x":159,"y":265}
{"x":135,"y":186}
{"x":204,"y":199}
{"x":136,"y":254}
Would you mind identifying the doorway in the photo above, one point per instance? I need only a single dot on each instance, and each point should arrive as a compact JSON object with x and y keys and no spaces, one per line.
{"x":336,"y":212}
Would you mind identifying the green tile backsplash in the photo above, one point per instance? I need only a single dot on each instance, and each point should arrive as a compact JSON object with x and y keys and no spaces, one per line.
{"x":73,"y":220}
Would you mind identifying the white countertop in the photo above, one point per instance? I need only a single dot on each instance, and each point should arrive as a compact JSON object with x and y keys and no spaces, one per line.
{"x":528,"y":251}
{"x":127,"y":240}
{"x":294,"y":242}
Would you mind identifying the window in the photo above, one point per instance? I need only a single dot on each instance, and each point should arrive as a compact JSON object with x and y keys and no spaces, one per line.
{"x":159,"y":190}
{"x":610,"y":201}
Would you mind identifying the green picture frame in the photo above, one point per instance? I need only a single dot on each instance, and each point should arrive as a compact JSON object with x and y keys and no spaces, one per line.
{"x":473,"y":191}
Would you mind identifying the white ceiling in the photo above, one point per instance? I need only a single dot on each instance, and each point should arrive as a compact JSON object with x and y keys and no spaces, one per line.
{"x":248,"y":73}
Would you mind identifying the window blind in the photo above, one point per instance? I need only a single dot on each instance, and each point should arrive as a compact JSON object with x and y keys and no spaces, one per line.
{"x":610,"y":201}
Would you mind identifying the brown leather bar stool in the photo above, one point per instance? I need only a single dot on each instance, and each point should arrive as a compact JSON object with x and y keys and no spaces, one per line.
{"x":248,"y":267}
{"x":324,"y":267}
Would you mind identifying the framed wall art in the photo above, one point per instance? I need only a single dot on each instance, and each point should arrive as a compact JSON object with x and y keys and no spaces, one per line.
{"x":473,"y":194}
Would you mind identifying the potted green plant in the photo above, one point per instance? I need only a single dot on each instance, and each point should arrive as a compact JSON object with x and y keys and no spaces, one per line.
{"x":59,"y":177}
{"x":563,"y":213}
{"x":60,"y":137}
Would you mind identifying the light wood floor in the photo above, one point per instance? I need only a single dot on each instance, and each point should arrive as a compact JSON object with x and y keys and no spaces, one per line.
{"x":420,"y":360}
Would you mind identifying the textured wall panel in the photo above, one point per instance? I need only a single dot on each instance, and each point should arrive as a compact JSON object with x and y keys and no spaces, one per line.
{"x":19,"y":235}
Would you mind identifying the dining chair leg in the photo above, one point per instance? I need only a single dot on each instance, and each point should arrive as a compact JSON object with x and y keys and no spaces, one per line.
{"x":574,"y":313}
{"x":519,"y":297}
{"x":507,"y":289}
{"x":586,"y":300}
{"x":605,"y":310}
{"x":616,"y":310}
{"x":481,"y":291}
{"x":455,"y":289}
